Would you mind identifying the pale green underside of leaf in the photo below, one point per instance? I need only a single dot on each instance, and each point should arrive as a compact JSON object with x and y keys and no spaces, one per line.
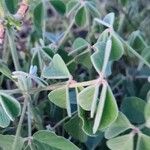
{"x":124,"y":142}
{"x":120,"y":125}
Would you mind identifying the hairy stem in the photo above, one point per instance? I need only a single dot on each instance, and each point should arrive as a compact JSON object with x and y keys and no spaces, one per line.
{"x":51,"y":87}
{"x":61,"y":121}
{"x":29,"y":118}
{"x":66,"y":33}
{"x":20,"y":123}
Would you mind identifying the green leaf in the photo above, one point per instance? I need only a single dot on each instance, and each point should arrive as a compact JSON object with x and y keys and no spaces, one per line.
{"x":85,"y":98}
{"x":100,"y":108}
{"x":79,"y":45}
{"x":74,"y":128}
{"x":143,"y":142}
{"x":94,"y":142}
{"x":133,"y":52}
{"x":36,"y":145}
{"x":91,"y":6}
{"x":124,"y":142}
{"x":10,"y":105}
{"x":60,"y":97}
{"x":84,"y":59}
{"x":103,"y":36}
{"x":107,"y":21}
{"x":109,"y":18}
{"x":97,"y":57}
{"x":136,"y":41}
{"x":124,"y":2}
{"x":146,"y":55}
{"x":120,"y":125}
{"x":87,"y":122}
{"x":57,"y":69}
{"x":94,"y":101}
{"x":81,"y":17}
{"x":133,"y":108}
{"x":72,"y":6}
{"x":4,"y":119}
{"x":6,"y":142}
{"x":110,"y":112}
{"x":117,"y":48}
{"x":38,"y":18}
{"x":59,"y":6}
{"x":12,"y":5}
{"x":5,"y":70}
{"x":56,"y":142}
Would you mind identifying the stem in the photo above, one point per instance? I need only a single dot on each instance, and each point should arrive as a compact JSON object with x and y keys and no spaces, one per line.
{"x":66,"y":33}
{"x":51,"y":87}
{"x":135,"y":53}
{"x":29,"y":118}
{"x":61,"y":121}
{"x":20,"y":124}
{"x":13,"y":49}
